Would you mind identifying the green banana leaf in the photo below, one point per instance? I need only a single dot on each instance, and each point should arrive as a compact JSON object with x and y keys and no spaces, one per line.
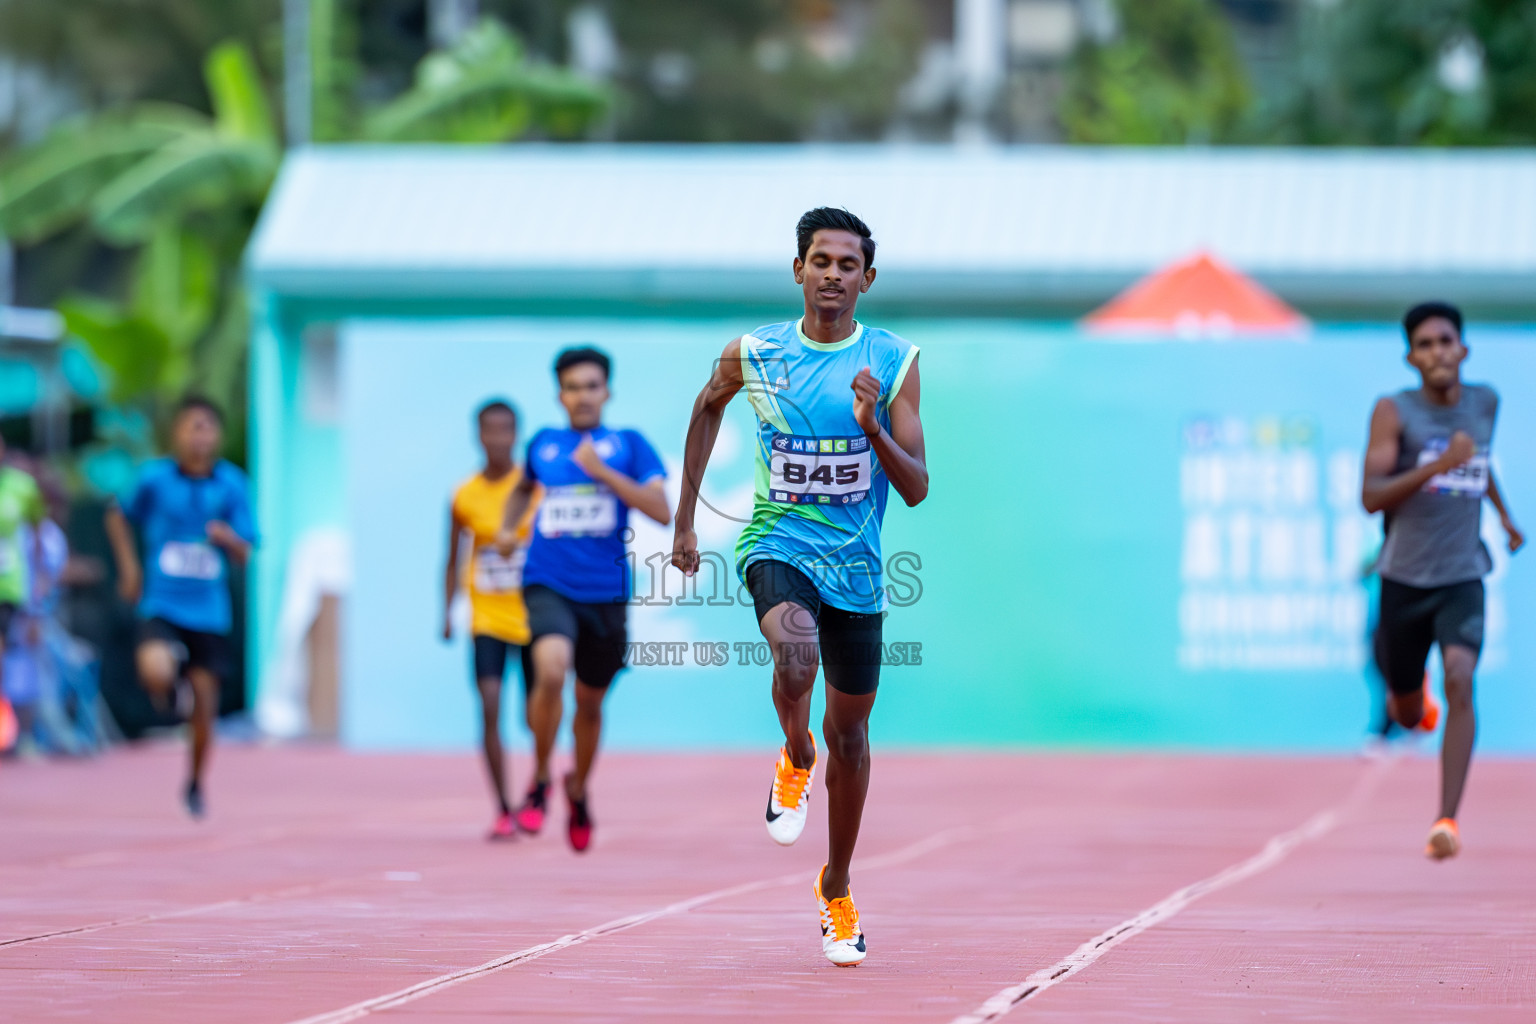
{"x":239,"y":100}
{"x":490,"y":105}
{"x":220,"y":357}
{"x":136,"y":353}
{"x":49,"y":186}
{"x":175,"y":285}
{"x":484,"y":90}
{"x":193,"y":173}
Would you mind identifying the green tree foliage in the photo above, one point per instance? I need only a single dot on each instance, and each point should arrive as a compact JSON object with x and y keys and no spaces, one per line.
{"x":1171,"y":74}
{"x":176,"y":189}
{"x":111,"y":52}
{"x":1439,"y":72}
{"x":181,"y":190}
{"x":485,"y":89}
{"x":754,"y":71}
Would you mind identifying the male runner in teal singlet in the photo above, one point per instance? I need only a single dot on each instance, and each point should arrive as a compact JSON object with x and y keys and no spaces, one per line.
{"x":1427,"y":467}
{"x":837,"y":408}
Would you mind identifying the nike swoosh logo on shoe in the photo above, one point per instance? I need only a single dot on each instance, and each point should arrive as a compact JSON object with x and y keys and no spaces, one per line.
{"x":771,"y":815}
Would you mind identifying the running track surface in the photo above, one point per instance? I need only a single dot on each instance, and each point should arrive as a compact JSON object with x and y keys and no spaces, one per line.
{"x":324,"y":881}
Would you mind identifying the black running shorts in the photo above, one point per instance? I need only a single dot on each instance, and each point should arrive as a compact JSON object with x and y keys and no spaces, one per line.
{"x":598,"y":633}
{"x":1413,"y":619}
{"x":491,"y":660}
{"x":212,"y":652}
{"x":848,"y":642}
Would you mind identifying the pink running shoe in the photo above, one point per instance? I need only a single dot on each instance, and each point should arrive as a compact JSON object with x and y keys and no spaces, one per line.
{"x":579,"y":825}
{"x":530,"y":816}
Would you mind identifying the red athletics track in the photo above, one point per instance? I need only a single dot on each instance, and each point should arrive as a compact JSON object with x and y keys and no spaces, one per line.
{"x":325,"y":882}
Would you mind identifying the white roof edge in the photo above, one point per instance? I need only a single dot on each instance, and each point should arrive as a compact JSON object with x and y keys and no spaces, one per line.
{"x":513,"y":216}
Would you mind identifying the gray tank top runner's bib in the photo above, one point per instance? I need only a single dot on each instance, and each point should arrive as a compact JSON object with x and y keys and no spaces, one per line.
{"x":1433,"y":538}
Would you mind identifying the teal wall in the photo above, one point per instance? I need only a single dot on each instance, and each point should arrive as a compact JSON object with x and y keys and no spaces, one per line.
{"x":296,"y":461}
{"x":1150,"y":545}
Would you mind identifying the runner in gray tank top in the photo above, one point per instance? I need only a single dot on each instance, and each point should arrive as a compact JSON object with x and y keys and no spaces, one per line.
{"x":1428,"y":468}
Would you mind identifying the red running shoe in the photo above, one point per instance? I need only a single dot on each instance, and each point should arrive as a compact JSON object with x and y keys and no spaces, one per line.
{"x":579,"y":824}
{"x":504,"y":828}
{"x":530,"y":816}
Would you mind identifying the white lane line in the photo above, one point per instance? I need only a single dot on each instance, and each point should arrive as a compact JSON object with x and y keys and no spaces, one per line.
{"x":1274,"y":851}
{"x":522,"y":956}
{"x":204,"y":908}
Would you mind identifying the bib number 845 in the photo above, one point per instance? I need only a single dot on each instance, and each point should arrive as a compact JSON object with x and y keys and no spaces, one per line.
{"x":824,"y":474}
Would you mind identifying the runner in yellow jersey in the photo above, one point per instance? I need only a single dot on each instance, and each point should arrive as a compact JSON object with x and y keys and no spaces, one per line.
{"x":494,"y":582}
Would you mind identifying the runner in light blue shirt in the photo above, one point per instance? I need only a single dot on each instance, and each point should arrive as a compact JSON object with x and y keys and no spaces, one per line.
{"x":194,"y":515}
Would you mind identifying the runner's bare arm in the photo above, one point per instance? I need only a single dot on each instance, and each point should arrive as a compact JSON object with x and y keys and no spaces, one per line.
{"x":902,"y":452}
{"x":235,"y":546}
{"x":130,"y":575}
{"x":649,"y":497}
{"x":1381,"y":489}
{"x":451,"y":575}
{"x":517,"y":507}
{"x":1496,"y":496}
{"x":703,"y":427}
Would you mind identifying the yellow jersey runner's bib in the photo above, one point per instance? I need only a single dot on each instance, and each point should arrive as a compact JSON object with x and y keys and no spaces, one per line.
{"x":496,"y":573}
{"x":494,"y":583}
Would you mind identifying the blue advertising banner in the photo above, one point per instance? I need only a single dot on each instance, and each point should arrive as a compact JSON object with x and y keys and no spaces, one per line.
{"x":1126,"y":544}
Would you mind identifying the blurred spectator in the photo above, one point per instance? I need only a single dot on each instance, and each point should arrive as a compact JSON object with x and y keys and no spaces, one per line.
{"x":50,"y":675}
{"x":21,"y":505}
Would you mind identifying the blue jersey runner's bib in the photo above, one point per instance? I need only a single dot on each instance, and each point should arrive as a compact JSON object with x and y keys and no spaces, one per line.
{"x":578,"y":537}
{"x":185,"y":575}
{"x":820,"y":493}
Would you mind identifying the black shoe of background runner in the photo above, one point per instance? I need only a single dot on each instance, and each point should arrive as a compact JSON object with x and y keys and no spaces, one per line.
{"x":194,"y":800}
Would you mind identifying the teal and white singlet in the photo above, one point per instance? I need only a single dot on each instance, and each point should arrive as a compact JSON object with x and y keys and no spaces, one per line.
{"x":820,"y":492}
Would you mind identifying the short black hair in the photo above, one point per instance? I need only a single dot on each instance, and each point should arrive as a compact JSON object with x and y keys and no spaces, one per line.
{"x":827,"y":218}
{"x":583,"y":354}
{"x":190,"y":402}
{"x":495,"y":405}
{"x":1426,"y":310}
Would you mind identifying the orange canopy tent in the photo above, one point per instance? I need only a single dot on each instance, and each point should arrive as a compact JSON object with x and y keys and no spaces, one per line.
{"x":1198,"y":297}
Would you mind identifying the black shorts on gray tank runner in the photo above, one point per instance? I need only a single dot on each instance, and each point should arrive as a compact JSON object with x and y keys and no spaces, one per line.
{"x":1414,"y":619}
{"x":599,"y":633}
{"x":849,"y":642}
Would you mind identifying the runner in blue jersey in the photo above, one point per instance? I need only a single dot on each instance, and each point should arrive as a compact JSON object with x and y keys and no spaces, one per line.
{"x":194,"y":515}
{"x":838,"y":426}
{"x":576,"y":581}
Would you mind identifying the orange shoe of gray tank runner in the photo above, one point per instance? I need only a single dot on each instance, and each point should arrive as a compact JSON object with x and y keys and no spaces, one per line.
{"x":1431,"y":716}
{"x":1444,"y":840}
